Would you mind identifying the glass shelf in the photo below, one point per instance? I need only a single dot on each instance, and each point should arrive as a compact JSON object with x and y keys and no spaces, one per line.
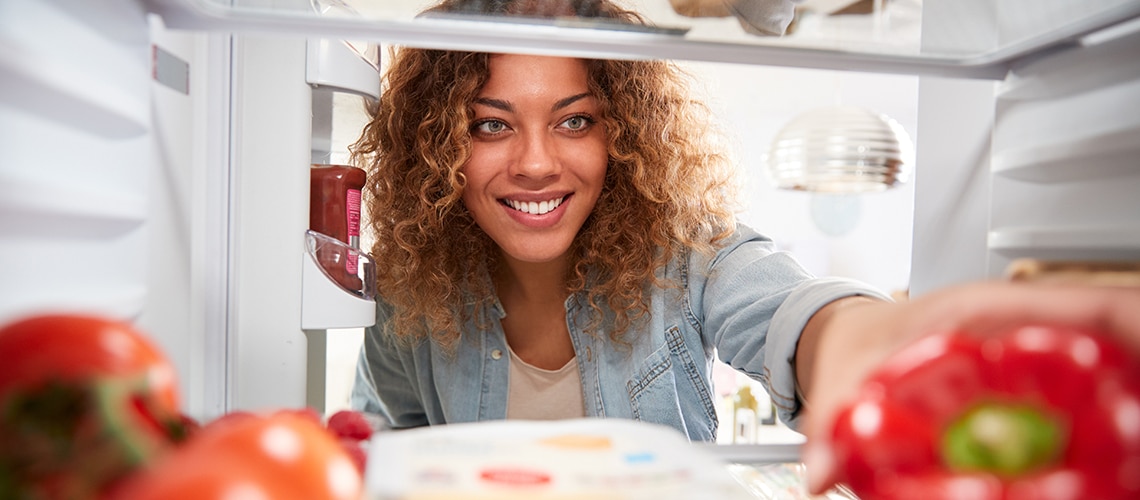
{"x":985,"y":38}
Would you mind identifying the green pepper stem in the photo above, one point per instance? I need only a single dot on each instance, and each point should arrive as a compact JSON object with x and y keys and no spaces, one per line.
{"x":1004,"y":439}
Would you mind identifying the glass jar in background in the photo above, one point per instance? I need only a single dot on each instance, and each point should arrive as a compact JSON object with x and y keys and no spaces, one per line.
{"x":334,"y":210}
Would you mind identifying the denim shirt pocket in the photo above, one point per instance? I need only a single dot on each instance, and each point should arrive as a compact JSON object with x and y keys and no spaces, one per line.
{"x":653,"y":391}
{"x":695,"y":397}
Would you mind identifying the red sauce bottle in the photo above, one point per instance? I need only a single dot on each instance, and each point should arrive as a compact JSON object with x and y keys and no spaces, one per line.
{"x":334,"y":210}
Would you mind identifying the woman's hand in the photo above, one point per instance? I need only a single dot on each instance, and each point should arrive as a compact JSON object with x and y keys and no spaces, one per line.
{"x":857,"y":339}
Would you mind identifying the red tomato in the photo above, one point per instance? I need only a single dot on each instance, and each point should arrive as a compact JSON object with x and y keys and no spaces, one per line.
{"x":62,"y":347}
{"x":85,"y":401}
{"x":285,"y":455}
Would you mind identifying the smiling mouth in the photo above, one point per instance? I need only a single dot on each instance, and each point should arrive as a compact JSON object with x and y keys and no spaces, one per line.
{"x":533,"y":207}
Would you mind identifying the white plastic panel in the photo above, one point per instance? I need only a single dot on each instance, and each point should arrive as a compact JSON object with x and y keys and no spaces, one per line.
{"x":270,"y":215}
{"x":75,"y":153}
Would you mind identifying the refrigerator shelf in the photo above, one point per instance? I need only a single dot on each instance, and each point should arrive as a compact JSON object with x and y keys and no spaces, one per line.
{"x":678,"y":42}
{"x":1103,"y":155}
{"x":1067,"y":243}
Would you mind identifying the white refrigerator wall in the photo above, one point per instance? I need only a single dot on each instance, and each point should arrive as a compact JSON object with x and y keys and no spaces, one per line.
{"x":1065,"y":147}
{"x":75,"y":158}
{"x":952,"y":186}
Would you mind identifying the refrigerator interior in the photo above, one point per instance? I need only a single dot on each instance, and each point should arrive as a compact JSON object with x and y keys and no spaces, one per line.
{"x":155,"y":158}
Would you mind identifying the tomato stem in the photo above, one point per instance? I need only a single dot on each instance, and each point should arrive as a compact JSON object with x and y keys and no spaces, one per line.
{"x":1004,"y":439}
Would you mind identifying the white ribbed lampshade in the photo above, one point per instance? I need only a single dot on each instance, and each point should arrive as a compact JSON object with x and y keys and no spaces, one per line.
{"x":840,"y":149}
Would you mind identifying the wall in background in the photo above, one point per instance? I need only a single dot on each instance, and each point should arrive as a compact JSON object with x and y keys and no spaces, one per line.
{"x":756,"y":102}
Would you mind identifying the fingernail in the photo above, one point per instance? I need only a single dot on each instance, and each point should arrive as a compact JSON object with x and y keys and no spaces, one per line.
{"x":819,"y":464}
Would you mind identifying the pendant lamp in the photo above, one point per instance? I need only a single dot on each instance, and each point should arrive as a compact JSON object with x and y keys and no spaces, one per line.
{"x":840,"y":149}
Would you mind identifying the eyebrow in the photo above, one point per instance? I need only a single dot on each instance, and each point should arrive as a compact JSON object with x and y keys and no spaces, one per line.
{"x":506,"y":106}
{"x":494,"y":103}
{"x":568,"y":101}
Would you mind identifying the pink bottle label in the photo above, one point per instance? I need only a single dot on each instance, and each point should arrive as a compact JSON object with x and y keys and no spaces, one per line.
{"x":353,"y":204}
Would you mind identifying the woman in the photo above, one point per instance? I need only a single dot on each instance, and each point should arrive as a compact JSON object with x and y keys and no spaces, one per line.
{"x":555,"y":239}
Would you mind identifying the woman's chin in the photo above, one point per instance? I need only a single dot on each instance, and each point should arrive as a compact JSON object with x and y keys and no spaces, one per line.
{"x":536,"y":254}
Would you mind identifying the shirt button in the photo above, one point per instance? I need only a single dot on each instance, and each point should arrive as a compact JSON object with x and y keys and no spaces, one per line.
{"x":496,"y":354}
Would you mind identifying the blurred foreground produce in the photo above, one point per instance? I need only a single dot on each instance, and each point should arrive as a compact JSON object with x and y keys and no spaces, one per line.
{"x":1032,"y":413}
{"x":89,"y":409}
{"x":352,"y":429}
{"x":283,"y":455}
{"x":83,"y":402}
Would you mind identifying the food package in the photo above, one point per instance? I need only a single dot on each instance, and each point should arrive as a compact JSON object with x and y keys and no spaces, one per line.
{"x":580,"y":459}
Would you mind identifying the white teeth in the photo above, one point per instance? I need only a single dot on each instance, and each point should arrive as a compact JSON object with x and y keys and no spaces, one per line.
{"x":535,"y":208}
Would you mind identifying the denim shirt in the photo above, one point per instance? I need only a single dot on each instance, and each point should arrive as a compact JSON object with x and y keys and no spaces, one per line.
{"x":747,"y":305}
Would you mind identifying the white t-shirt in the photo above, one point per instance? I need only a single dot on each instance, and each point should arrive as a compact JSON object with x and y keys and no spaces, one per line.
{"x":538,"y":394}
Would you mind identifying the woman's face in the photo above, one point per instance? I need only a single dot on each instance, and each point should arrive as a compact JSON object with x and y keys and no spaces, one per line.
{"x":538,"y":158}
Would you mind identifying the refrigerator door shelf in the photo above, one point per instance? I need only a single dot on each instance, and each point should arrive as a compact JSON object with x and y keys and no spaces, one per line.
{"x":326,"y":300}
{"x":331,"y":63}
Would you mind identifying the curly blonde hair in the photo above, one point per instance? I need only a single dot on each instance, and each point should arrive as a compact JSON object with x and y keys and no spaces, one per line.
{"x":668,"y":188}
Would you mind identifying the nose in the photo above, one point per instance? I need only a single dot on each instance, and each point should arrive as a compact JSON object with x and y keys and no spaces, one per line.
{"x":537,"y":156}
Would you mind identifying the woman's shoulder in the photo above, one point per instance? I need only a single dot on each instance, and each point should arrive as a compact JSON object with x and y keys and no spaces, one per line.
{"x":742,"y":238}
{"x":744,"y":233}
{"x":743,"y":243}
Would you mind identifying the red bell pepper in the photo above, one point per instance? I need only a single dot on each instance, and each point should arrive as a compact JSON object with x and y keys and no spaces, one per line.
{"x":1032,"y":413}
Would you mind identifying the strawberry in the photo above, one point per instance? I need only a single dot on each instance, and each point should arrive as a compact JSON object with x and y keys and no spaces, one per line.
{"x":349,"y":424}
